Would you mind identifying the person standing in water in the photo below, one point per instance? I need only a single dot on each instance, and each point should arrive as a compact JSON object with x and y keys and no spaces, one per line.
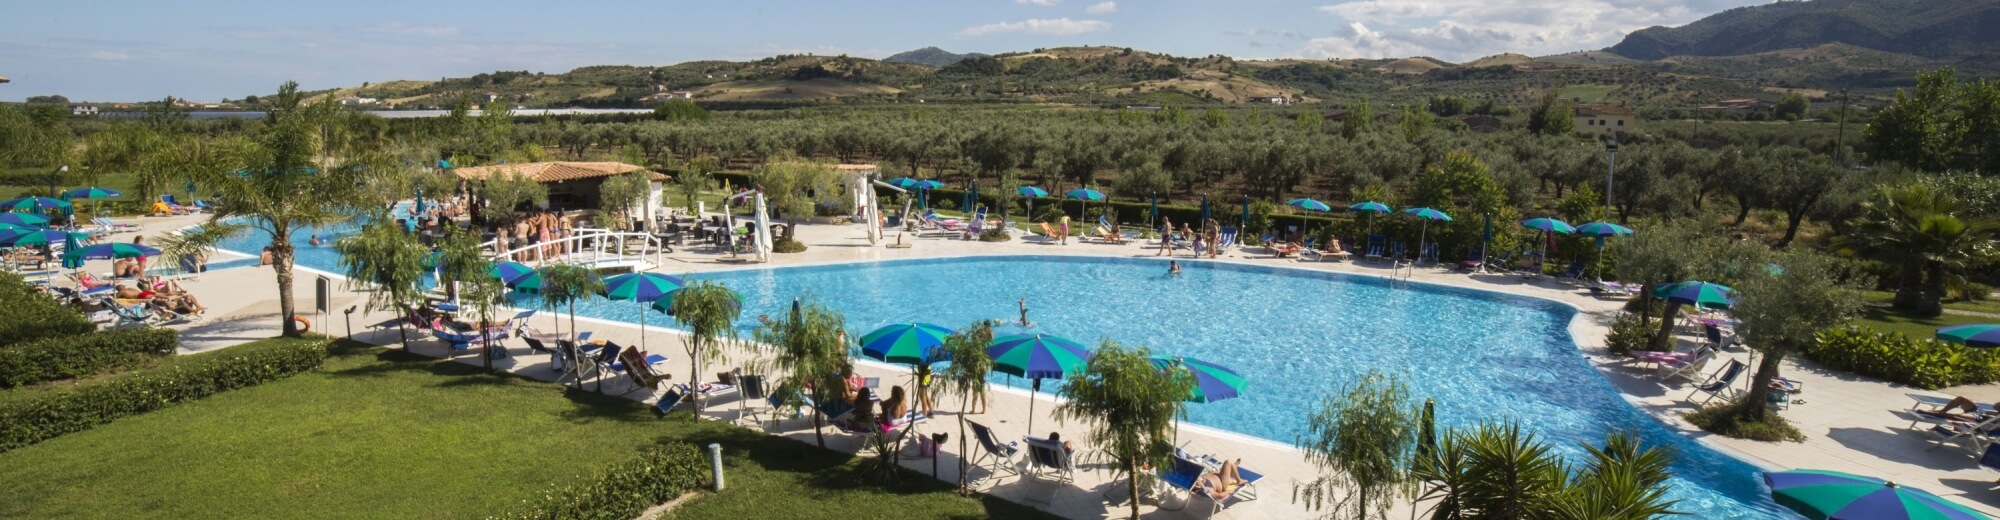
{"x":1024,"y":313}
{"x":1173,"y":267}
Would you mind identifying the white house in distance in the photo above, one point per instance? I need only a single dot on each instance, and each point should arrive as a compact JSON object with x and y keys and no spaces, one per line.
{"x":357,"y":101}
{"x":83,"y":110}
{"x":1269,"y":100}
{"x":1600,"y":120}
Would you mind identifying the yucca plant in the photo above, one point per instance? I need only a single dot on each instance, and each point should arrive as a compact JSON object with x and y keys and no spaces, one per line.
{"x":966,"y":376}
{"x":709,"y":311}
{"x":1363,"y":441}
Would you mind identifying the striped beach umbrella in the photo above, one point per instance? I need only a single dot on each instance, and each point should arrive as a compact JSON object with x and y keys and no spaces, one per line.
{"x":1085,"y":195}
{"x":1036,"y":357}
{"x":1369,"y":207}
{"x":508,"y":272}
{"x":1981,"y":335}
{"x":928,"y":184}
{"x":1697,"y":293}
{"x":117,"y":250}
{"x":1832,"y":495}
{"x":642,"y":288}
{"x":26,"y":220}
{"x":72,"y":257}
{"x":1212,"y":382}
{"x":912,"y":343}
{"x":34,"y":237}
{"x":1428,"y":215}
{"x":91,"y":192}
{"x":666,"y":304}
{"x":903,"y":182}
{"x":1549,"y":224}
{"x":1309,"y":205}
{"x":1031,"y":191}
{"x":1603,"y":229}
{"x":33,"y":203}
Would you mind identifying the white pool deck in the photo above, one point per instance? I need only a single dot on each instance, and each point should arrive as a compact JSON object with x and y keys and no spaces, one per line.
{"x":1853,"y":424}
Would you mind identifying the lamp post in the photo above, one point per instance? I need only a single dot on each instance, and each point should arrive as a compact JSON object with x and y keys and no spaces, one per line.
{"x":1611,"y":158}
{"x":52,"y":179}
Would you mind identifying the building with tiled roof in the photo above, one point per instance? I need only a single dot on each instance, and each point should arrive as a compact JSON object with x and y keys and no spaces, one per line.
{"x":1605,"y":119}
{"x":572,"y":184}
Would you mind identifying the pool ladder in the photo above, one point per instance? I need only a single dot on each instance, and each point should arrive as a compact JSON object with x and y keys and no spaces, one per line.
{"x":1400,"y":273}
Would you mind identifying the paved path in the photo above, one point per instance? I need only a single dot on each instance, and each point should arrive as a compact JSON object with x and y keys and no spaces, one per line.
{"x":1852,"y":422}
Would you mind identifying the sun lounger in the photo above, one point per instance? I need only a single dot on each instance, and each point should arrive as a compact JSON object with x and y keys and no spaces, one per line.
{"x":1971,"y":436}
{"x":1573,"y":273}
{"x":1689,"y":368}
{"x":1047,"y":459}
{"x":1990,"y":459}
{"x":1604,"y":289}
{"x":1722,"y":383}
{"x":1428,"y":254}
{"x":668,"y":401}
{"x":1471,"y":263}
{"x":993,"y":455}
{"x":639,"y":367}
{"x":1375,"y":248}
{"x":1049,"y":232}
{"x":1227,"y":240}
{"x":1186,"y":476}
{"x":1284,"y":250}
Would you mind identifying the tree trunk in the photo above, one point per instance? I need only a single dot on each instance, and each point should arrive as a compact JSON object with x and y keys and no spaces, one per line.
{"x":1792,"y":221}
{"x":1742,"y":211}
{"x":1931,"y":303}
{"x":818,"y":434}
{"x":964,"y":402}
{"x":1754,"y":408}
{"x":1132,"y":484}
{"x":1662,"y":339}
{"x":1909,"y":285}
{"x":694,"y":374}
{"x":281,"y":263}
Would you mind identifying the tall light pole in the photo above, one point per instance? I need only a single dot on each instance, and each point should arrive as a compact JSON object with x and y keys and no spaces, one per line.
{"x":1611,"y":158}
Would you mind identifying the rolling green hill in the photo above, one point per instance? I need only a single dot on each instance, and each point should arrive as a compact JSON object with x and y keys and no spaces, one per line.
{"x":1936,"y":29}
{"x":930,"y":57}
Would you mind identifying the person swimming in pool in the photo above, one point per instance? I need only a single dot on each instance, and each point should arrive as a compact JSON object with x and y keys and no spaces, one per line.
{"x":1024,"y":313}
{"x":1173,"y":268}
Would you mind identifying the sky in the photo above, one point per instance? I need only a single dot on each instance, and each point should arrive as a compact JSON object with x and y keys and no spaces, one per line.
{"x":207,"y":50}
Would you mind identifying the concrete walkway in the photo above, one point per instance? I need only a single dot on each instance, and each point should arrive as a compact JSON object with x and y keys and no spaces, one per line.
{"x":1852,"y":422}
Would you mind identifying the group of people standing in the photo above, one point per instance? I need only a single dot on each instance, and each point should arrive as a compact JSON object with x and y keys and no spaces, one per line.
{"x":534,"y":229}
{"x":1204,"y":242}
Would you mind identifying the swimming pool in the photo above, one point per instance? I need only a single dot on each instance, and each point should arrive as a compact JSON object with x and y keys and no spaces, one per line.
{"x":1297,"y":335}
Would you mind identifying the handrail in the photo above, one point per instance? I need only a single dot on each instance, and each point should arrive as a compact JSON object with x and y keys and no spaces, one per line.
{"x":601,"y":237}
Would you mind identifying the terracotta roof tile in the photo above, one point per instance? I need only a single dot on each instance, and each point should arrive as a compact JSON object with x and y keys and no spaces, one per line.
{"x":558,"y":171}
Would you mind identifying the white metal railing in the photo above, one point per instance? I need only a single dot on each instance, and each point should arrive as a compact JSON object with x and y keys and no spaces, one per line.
{"x":596,"y":242}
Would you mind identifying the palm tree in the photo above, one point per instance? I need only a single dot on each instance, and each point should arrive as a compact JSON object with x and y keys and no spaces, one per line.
{"x":390,"y":259}
{"x":1927,"y":235}
{"x":810,"y":349}
{"x":297,"y":172}
{"x":1364,"y":441}
{"x":562,"y":286}
{"x":1497,"y":471}
{"x":1129,"y":406}
{"x":966,"y":376}
{"x":709,"y":311}
{"x":467,"y":273}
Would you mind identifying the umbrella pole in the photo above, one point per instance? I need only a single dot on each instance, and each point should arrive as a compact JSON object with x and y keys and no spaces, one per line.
{"x":1037,"y":387}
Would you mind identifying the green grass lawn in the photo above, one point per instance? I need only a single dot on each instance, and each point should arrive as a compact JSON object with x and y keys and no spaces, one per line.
{"x":379,"y":433}
{"x":1986,"y":306}
{"x":1891,"y":320}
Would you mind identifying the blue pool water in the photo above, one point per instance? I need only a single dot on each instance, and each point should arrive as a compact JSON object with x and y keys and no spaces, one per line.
{"x":1297,"y":335}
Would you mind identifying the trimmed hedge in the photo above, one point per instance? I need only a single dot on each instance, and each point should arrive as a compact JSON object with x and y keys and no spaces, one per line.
{"x":50,"y":359}
{"x":657,"y":475}
{"x":1920,"y":362}
{"x":31,"y":315}
{"x":34,"y":418}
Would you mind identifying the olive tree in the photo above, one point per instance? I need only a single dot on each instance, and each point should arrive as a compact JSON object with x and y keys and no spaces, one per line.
{"x":1364,"y":442}
{"x":709,"y":311}
{"x":1779,"y":314}
{"x":1129,"y":405}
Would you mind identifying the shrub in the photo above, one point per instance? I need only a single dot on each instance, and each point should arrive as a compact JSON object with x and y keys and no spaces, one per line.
{"x":1925,"y":363}
{"x":30,"y":314}
{"x":35,"y":418}
{"x":657,"y":475}
{"x":1628,"y":333}
{"x":786,"y":245}
{"x":995,"y":235}
{"x":50,"y":359}
{"x":1723,"y":419}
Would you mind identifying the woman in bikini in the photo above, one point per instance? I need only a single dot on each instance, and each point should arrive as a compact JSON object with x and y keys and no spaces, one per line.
{"x":1221,"y":483}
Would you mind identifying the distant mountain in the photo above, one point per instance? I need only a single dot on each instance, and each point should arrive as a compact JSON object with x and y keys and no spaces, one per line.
{"x":1934,"y":29}
{"x":930,"y":56}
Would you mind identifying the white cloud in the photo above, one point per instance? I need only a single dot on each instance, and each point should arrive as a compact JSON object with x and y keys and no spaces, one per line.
{"x":1102,"y":8}
{"x":1057,"y":27}
{"x":1043,"y":3}
{"x":110,"y":55}
{"x":1466,"y":29}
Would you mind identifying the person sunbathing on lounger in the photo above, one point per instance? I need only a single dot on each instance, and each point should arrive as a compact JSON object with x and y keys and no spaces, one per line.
{"x":1960,"y":402}
{"x":1219,"y":484}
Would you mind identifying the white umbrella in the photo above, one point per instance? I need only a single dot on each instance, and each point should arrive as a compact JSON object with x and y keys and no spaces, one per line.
{"x":763,"y":233}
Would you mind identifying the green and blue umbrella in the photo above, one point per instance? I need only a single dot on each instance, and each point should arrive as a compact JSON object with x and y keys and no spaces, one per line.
{"x":666,"y":305}
{"x":1085,"y":195}
{"x":6,"y":227}
{"x":34,"y":237}
{"x":1832,"y":495}
{"x":1369,"y":207}
{"x":903,"y":182}
{"x":1428,"y":215}
{"x":1036,"y":356}
{"x":928,"y":184}
{"x":1696,"y":293}
{"x":642,"y":288}
{"x":1031,"y":191}
{"x":1981,"y":335}
{"x":1309,"y":205}
{"x":1212,"y":382}
{"x":72,"y":257}
{"x":1549,"y":224}
{"x":1603,"y":229}
{"x":530,"y":283}
{"x":912,"y":343}
{"x":509,"y":272}
{"x":33,"y":203}
{"x":92,"y":192}
{"x":116,"y":250}
{"x":26,"y":220}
